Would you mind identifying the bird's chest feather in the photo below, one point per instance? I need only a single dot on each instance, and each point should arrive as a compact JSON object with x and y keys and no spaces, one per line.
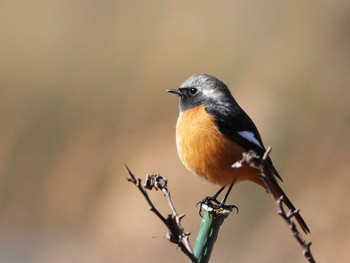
{"x":204,"y":149}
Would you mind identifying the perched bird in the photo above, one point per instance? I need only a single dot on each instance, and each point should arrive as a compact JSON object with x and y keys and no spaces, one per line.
{"x":213,"y":131}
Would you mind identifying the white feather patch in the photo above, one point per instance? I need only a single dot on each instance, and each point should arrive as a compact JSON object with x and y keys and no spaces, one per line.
{"x":250,"y":137}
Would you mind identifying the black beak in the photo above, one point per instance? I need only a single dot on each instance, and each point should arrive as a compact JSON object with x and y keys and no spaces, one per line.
{"x":175,"y":91}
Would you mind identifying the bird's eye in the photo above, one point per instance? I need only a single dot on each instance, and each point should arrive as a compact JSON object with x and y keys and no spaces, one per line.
{"x":193,"y":91}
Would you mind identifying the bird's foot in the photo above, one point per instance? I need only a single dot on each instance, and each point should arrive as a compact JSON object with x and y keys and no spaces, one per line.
{"x":213,"y":203}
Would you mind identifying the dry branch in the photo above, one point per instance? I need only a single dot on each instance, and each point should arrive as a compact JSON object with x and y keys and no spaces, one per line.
{"x":254,"y":160}
{"x":176,"y":233}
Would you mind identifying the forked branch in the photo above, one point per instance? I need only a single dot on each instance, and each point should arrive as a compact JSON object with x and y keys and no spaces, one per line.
{"x":176,"y":233}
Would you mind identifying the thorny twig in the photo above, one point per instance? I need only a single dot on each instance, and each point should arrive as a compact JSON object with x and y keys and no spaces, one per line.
{"x":176,"y":233}
{"x":254,"y":160}
{"x":287,"y":216}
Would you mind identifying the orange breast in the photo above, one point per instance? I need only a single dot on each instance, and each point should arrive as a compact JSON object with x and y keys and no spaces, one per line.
{"x":207,"y":152}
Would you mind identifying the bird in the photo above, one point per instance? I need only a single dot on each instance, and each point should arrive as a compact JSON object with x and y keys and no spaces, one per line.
{"x":212,"y":133}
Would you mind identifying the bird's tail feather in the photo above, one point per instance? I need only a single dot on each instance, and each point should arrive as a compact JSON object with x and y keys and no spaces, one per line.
{"x":277,"y":192}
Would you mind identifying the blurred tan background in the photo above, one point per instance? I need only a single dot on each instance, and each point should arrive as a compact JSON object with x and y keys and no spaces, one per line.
{"x":82,"y":92}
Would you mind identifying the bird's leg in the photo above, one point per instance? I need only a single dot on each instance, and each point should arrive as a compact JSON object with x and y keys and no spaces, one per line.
{"x":212,"y":201}
{"x":227,"y":193}
{"x":215,"y":196}
{"x":226,"y":206}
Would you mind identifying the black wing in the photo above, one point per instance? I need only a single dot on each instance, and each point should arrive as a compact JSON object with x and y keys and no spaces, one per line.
{"x":232,"y":121}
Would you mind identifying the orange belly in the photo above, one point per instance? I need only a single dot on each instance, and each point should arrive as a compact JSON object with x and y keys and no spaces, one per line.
{"x":207,"y":152}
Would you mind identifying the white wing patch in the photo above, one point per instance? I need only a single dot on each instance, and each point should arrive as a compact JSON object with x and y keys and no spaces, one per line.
{"x":250,"y":137}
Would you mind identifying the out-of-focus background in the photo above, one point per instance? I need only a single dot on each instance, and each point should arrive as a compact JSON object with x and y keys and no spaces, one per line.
{"x":83,"y":92}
